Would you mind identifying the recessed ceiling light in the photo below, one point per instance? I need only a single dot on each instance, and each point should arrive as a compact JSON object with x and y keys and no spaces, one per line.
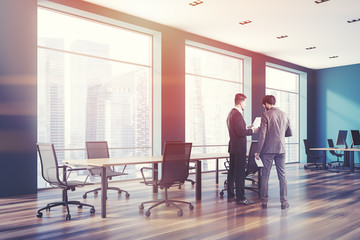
{"x":245,"y":22}
{"x":334,"y":57}
{"x":310,"y":48}
{"x":281,"y":37}
{"x":320,"y":1}
{"x":195,"y":3}
{"x":354,"y":20}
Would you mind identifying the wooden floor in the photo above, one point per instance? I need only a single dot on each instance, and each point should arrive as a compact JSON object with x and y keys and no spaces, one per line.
{"x":323,"y":205}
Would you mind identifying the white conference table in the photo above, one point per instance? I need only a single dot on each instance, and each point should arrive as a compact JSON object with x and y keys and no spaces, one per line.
{"x":348,"y":156}
{"x":155,"y":160}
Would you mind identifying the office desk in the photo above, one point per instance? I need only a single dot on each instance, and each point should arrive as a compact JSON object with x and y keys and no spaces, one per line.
{"x":155,"y":160}
{"x":348,"y":156}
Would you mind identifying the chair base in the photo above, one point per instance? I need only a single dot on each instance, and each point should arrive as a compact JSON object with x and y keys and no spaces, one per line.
{"x":66,"y":204}
{"x":192,"y":181}
{"x":316,"y":165}
{"x":339,"y":163}
{"x":167,"y":202}
{"x":96,"y":190}
{"x":254,"y":189}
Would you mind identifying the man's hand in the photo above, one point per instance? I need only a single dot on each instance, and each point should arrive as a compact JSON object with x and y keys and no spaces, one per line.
{"x":250,"y":126}
{"x":255,"y":130}
{"x":257,"y":155}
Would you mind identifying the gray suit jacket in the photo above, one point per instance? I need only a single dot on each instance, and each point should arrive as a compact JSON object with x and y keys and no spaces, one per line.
{"x":274,"y":127}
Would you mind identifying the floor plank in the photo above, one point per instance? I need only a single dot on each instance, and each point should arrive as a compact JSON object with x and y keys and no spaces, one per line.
{"x":323,"y":205}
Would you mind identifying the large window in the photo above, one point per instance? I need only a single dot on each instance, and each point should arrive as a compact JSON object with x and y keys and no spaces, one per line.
{"x":284,"y":85}
{"x":94,"y":83}
{"x":212,"y":80}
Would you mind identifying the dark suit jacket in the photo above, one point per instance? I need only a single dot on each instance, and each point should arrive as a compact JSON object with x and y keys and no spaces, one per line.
{"x":237,"y":131}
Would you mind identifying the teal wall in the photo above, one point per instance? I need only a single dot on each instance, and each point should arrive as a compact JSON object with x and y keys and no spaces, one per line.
{"x":334,"y":102}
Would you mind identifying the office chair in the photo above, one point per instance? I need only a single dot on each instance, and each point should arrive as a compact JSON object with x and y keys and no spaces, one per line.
{"x":251,"y":169}
{"x":311,"y":156}
{"x":334,"y":153}
{"x":175,"y":169}
{"x":50,"y":173}
{"x":99,"y":149}
{"x":191,"y":167}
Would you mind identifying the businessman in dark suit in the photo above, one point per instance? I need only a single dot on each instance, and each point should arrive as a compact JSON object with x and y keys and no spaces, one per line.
{"x":237,"y":150}
{"x":274,"y":127}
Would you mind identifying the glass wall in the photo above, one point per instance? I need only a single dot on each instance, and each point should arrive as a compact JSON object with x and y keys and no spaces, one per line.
{"x":212,"y":80}
{"x":284,"y":85}
{"x":94,"y":83}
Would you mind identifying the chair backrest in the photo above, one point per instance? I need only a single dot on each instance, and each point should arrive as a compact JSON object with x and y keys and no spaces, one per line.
{"x":251,"y":164}
{"x":330,"y":142}
{"x":307,"y":147}
{"x":175,"y":165}
{"x":97,"y":149}
{"x":331,"y":145}
{"x":49,"y":163}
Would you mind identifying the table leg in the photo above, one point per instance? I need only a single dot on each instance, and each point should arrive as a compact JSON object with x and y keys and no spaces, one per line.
{"x":155,"y":177}
{"x":324,"y":167}
{"x":352,"y":167}
{"x":198,"y":180}
{"x":217,"y":172}
{"x":64,"y":193}
{"x":104,"y":185}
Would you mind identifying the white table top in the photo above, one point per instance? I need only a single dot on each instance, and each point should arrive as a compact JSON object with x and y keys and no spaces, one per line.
{"x":116,"y":161}
{"x":337,"y":149}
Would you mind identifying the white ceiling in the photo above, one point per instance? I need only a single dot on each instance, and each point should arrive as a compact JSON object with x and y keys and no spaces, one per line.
{"x":306,"y":24}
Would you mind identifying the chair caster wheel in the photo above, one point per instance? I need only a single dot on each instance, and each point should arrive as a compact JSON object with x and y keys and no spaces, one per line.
{"x":84,"y":196}
{"x":191,"y":207}
{"x":141,"y":206}
{"x":221,"y":194}
{"x":92,"y":211}
{"x":127,"y":195}
{"x":180,"y":213}
{"x":39,"y":214}
{"x":96,"y":192}
{"x":68,"y":217}
{"x":147,"y":213}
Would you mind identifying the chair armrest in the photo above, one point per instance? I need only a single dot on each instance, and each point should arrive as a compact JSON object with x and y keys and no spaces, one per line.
{"x":67,"y":170}
{"x":142,"y":173}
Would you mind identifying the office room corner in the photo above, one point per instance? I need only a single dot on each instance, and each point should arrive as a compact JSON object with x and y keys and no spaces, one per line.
{"x":144,"y":119}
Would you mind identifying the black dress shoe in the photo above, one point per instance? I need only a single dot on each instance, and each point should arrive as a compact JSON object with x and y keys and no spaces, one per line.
{"x":244,"y":202}
{"x":285,"y":205}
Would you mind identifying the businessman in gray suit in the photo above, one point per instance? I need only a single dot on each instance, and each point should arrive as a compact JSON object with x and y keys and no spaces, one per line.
{"x":274,"y":127}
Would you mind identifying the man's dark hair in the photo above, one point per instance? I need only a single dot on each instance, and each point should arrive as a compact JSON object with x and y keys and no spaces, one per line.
{"x":239,"y":98}
{"x":269,"y":99}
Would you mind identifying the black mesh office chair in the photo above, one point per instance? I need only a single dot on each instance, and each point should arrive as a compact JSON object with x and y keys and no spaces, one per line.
{"x":99,"y":149}
{"x":334,"y":153}
{"x":251,"y":169}
{"x":175,"y":170}
{"x":192,"y":166}
{"x":50,"y":173}
{"x":312,"y":158}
